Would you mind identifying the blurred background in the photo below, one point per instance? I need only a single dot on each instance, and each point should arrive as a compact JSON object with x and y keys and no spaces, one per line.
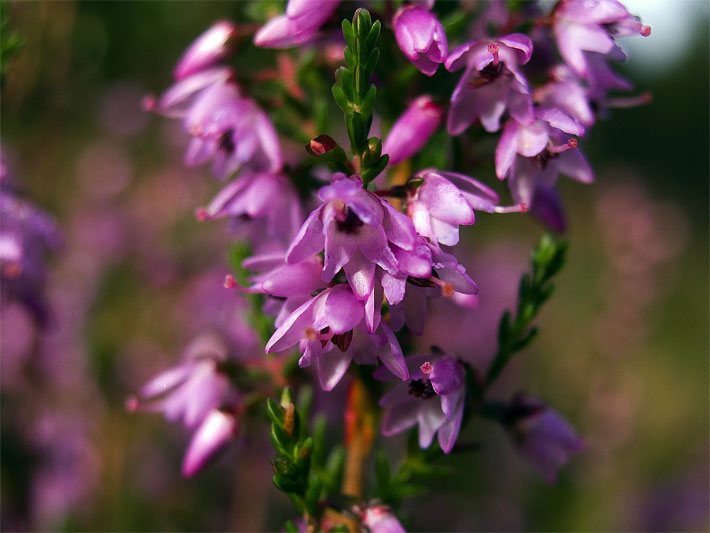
{"x":622,"y":353}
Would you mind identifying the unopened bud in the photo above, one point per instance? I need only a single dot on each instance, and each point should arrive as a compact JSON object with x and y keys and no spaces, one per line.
{"x":321,"y":145}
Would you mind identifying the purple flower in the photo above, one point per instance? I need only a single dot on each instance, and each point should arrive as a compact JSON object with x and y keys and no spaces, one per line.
{"x":300,"y":24}
{"x":566,"y":93}
{"x":542,"y":436}
{"x":421,"y":38}
{"x":380,"y":519}
{"x":231,"y":131}
{"x":532,"y":138}
{"x":189,"y":391}
{"x":433,"y":399}
{"x":445,"y":200}
{"x":266,"y":197}
{"x":408,"y":295}
{"x":214,"y":433}
{"x":357,"y":230}
{"x":413,"y":129}
{"x":323,"y":327}
{"x":26,"y":236}
{"x":590,"y":26}
{"x":206,"y":50}
{"x":491,"y":83}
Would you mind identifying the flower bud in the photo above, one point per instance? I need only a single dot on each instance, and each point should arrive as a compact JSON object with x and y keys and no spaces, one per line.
{"x":413,"y":129}
{"x":421,"y":38}
{"x":213,"y":435}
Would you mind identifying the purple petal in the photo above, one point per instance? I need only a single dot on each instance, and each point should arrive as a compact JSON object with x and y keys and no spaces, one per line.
{"x":331,"y":368}
{"x":210,"y":438}
{"x":506,"y":149}
{"x":308,"y":241}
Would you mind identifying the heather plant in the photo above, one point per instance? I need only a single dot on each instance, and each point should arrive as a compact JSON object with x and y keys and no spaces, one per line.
{"x":340,"y":247}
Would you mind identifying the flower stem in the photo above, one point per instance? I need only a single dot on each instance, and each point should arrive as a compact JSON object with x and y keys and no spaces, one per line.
{"x":360,"y":431}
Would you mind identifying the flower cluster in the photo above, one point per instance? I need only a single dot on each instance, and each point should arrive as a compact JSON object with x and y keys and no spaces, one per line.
{"x":352,"y":280}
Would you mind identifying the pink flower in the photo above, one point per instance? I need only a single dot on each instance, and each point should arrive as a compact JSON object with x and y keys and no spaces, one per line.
{"x":214,"y":433}
{"x":330,"y":331}
{"x":541,"y":435}
{"x":208,"y":49}
{"x":433,"y":399}
{"x":413,"y":129}
{"x":590,"y":26}
{"x":358,"y":232}
{"x":421,"y":38}
{"x":300,"y":24}
{"x":491,"y":83}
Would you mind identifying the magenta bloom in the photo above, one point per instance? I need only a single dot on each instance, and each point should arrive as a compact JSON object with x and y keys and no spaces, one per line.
{"x":209,"y":48}
{"x":542,"y":436}
{"x":413,"y":129}
{"x":582,"y":26}
{"x":380,"y":519}
{"x":323,"y":327}
{"x":189,"y":391}
{"x":231,"y":131}
{"x":358,"y":231}
{"x":433,"y":399}
{"x":491,"y":83}
{"x":27,"y":235}
{"x":213,"y":435}
{"x":300,"y":24}
{"x":421,"y":38}
{"x":531,"y":139}
{"x":566,"y":93}
{"x":267,"y":197}
{"x":445,"y":200}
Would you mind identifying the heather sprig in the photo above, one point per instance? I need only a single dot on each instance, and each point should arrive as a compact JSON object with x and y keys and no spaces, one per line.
{"x":515,"y":332}
{"x":355,"y":94}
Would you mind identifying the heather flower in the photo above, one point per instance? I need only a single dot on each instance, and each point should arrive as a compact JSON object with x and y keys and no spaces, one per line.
{"x":445,"y":200}
{"x":529,"y":178}
{"x":491,"y":83}
{"x":206,"y":50}
{"x":216,"y":431}
{"x":413,"y":129}
{"x":541,"y":435}
{"x":357,"y":230}
{"x":189,"y":391}
{"x":421,"y":38}
{"x":581,"y":25}
{"x":380,"y":519}
{"x":232,"y":131}
{"x":299,"y":25}
{"x":26,"y":236}
{"x":267,"y":197}
{"x":531,"y":139}
{"x":323,"y":327}
{"x":566,"y":93}
{"x":433,"y":399}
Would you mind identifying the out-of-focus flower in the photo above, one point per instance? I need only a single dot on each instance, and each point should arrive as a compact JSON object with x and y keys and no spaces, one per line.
{"x":380,"y":519}
{"x":213,"y":435}
{"x":433,"y":399}
{"x":262,"y":196}
{"x":206,"y":50}
{"x":421,"y":38}
{"x":567,"y":93}
{"x":26,"y":236}
{"x":300,"y":24}
{"x":413,"y":129}
{"x":189,"y":391}
{"x":541,"y":435}
{"x":491,"y":83}
{"x":583,"y":26}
